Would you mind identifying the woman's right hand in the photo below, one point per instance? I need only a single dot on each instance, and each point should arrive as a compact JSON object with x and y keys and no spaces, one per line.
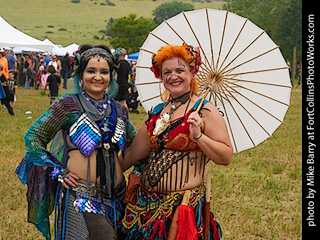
{"x":70,"y":180}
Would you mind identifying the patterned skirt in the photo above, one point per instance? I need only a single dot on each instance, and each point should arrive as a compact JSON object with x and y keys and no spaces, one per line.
{"x":80,"y":214}
{"x":151,"y":216}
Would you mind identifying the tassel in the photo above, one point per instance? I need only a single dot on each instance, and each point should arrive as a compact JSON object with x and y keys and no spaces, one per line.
{"x":186,"y":224}
{"x":159,"y":229}
{"x":186,"y":220}
{"x":216,"y":231}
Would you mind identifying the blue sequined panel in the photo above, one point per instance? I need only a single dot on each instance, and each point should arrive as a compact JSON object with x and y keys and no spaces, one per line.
{"x":85,"y":135}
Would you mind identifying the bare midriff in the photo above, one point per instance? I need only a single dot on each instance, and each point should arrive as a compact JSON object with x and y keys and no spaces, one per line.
{"x":78,"y":164}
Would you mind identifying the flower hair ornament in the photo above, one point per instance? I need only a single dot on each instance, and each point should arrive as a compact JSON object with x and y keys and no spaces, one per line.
{"x":195,"y":62}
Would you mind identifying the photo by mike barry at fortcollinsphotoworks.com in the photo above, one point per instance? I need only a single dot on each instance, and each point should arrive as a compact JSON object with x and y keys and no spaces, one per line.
{"x":310,"y":198}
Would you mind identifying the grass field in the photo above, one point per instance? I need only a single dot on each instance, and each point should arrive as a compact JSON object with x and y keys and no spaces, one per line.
{"x":64,"y":22}
{"x":258,"y":196}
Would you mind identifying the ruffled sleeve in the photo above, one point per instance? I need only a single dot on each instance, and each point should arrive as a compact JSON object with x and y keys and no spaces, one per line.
{"x":41,"y":187}
{"x":59,"y":116}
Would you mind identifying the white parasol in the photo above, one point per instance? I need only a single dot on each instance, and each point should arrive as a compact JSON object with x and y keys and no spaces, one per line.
{"x":243,"y":72}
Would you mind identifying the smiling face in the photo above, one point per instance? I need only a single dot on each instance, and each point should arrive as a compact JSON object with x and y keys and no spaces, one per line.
{"x":176,"y":76}
{"x":96,"y":77}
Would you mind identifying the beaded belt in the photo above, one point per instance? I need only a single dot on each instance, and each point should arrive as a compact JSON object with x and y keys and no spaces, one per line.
{"x":88,"y":189}
{"x":92,"y":200}
{"x":164,"y":206}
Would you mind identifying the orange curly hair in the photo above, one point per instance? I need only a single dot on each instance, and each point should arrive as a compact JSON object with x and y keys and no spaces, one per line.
{"x":168,"y":52}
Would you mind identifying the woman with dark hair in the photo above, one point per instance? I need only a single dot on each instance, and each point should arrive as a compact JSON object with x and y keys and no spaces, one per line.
{"x":53,"y":82}
{"x":28,"y":66}
{"x":166,"y":193}
{"x":80,"y":177}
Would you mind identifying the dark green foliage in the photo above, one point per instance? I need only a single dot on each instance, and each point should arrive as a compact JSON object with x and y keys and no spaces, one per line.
{"x":109,"y":24}
{"x":130,"y":32}
{"x":170,"y":9}
{"x":109,"y":3}
{"x":280,"y":18}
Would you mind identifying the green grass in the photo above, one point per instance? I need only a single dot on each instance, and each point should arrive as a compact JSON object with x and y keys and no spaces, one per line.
{"x":257,"y":196}
{"x":81,"y":21}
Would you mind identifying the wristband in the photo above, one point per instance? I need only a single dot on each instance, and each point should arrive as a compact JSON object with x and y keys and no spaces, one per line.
{"x":198,"y":137}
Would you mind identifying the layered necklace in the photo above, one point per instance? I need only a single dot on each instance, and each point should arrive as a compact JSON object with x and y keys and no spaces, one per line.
{"x":100,"y":104}
{"x":164,"y":121}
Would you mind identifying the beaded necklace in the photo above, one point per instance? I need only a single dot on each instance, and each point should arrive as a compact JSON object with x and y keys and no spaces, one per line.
{"x":101,"y":105}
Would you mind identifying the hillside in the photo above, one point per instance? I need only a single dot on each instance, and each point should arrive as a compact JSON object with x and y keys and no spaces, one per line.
{"x":64,"y":22}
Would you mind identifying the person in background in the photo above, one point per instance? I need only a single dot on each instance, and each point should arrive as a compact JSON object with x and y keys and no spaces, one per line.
{"x":53,"y":81}
{"x":4,"y":63}
{"x":12,"y":62}
{"x":4,"y":95}
{"x":290,"y":72}
{"x":82,"y":167}
{"x":44,"y":78}
{"x":166,"y":191}
{"x":46,"y":59}
{"x":29,"y":68}
{"x":12,"y":85}
{"x":65,"y":65}
{"x":299,"y":78}
{"x":34,"y":68}
{"x":56,"y":63}
{"x":123,"y":72}
{"x":21,"y":76}
{"x":40,"y":73}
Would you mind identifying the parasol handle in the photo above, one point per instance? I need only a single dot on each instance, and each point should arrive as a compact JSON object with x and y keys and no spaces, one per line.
{"x":208,"y":187}
{"x":207,"y":207}
{"x":204,"y":97}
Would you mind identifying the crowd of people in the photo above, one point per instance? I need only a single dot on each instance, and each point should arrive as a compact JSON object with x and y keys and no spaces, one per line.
{"x":31,"y":71}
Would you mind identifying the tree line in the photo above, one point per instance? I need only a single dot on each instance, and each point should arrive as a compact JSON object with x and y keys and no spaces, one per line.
{"x":281,"y":19}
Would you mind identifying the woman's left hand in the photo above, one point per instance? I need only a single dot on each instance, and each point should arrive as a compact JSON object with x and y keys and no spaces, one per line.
{"x":195,"y":124}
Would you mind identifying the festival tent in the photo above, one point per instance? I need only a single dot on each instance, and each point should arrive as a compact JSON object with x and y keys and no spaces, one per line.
{"x":133,"y":56}
{"x":11,"y":37}
{"x":56,"y":49}
{"x":71,"y":48}
{"x":61,"y":51}
{"x":26,"y":50}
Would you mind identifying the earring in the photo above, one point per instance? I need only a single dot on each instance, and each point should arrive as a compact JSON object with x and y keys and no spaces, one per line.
{"x":81,"y":83}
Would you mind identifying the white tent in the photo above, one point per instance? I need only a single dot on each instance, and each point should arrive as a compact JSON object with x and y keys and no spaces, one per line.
{"x":61,"y":51}
{"x":56,"y":49}
{"x":71,"y":48}
{"x":26,"y":50}
{"x":12,"y":37}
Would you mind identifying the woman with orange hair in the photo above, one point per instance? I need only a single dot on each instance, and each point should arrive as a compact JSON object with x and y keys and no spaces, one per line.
{"x":166,"y":193}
